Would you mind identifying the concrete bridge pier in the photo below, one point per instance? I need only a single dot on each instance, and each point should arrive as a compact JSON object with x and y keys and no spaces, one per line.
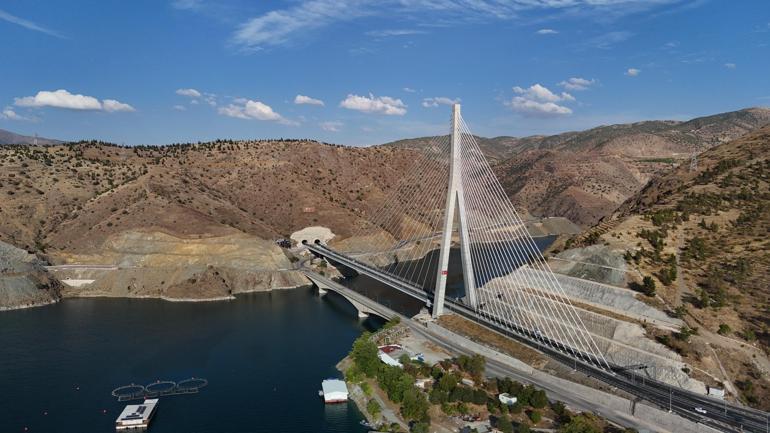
{"x":323,"y":288}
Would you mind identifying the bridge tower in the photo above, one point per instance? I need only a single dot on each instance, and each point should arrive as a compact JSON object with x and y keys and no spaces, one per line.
{"x":455,"y":203}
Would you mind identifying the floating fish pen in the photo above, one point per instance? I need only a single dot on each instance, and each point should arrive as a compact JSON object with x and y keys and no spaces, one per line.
{"x":158,"y":389}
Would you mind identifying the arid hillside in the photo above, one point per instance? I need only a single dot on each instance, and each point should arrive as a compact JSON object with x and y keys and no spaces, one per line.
{"x":73,"y":197}
{"x":699,"y":235}
{"x":585,"y":176}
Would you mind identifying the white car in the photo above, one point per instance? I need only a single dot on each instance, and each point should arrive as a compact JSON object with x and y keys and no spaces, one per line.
{"x":701,"y":410}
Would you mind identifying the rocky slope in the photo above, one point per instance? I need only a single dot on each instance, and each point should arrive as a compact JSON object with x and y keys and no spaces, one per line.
{"x":24,"y":281}
{"x":700,"y":235}
{"x":584,"y":176}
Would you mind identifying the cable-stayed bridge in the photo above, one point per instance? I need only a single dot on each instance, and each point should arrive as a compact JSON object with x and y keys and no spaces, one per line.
{"x":451,"y":199}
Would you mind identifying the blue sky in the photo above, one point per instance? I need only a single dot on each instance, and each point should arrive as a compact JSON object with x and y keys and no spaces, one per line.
{"x":368,"y":71}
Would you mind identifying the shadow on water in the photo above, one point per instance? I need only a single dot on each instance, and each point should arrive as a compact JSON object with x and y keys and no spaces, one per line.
{"x":409,"y":306}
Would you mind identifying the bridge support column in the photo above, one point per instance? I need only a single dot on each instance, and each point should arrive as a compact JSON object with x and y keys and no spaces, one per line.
{"x":455,"y":201}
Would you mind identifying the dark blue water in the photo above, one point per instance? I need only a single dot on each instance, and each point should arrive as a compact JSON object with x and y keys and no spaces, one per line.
{"x":263,"y":354}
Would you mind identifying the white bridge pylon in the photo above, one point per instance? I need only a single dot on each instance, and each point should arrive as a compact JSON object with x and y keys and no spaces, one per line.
{"x":455,"y":201}
{"x":409,"y":234}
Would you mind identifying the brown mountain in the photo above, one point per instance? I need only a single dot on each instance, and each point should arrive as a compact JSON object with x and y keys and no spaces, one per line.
{"x":8,"y":137}
{"x":585,"y":175}
{"x":701,"y":233}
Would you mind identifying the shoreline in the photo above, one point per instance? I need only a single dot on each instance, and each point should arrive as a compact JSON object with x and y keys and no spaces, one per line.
{"x":232,"y":297}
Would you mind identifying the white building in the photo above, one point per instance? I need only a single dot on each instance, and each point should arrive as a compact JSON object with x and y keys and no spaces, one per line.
{"x":137,"y":416}
{"x":387,"y":359}
{"x":334,"y":391}
{"x":506,"y":398}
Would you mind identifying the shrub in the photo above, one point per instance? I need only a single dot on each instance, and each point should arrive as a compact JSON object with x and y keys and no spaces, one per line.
{"x":724,"y":329}
{"x":535,"y":416}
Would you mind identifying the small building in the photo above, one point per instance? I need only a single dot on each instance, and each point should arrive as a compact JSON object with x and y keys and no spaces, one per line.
{"x":137,"y":416}
{"x":506,"y":398}
{"x":388,"y":360}
{"x":467,"y":382}
{"x":422,"y":383}
{"x":716,"y":392}
{"x":334,"y":391}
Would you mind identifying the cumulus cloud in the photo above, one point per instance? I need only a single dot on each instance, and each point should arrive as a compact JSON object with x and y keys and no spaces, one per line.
{"x":539,"y":100}
{"x":192,"y":93}
{"x":546,"y":32}
{"x":577,"y":83}
{"x":307,"y":100}
{"x":64,"y":99}
{"x":331,"y":126}
{"x":9,"y":114}
{"x":253,"y":110}
{"x":632,"y":72}
{"x":409,"y":90}
{"x":372,"y":104}
{"x":111,"y":106}
{"x":541,"y":93}
{"x":439,"y":100}
{"x":730,"y":65}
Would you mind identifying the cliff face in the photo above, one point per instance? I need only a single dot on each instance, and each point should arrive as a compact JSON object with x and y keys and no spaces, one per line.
{"x":24,"y":281}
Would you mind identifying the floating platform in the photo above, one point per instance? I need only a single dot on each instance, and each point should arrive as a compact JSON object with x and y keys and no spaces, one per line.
{"x":159,"y":388}
{"x":137,"y":416}
{"x":334,"y":391}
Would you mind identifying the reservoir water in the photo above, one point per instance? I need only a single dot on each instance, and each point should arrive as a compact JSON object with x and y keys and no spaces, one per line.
{"x":264,"y":356}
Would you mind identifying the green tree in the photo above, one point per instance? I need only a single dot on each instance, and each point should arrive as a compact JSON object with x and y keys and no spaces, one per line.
{"x":414,"y":406}
{"x":504,"y":424}
{"x":580,"y":424}
{"x":535,"y":416}
{"x":538,"y":400}
{"x":523,"y":427}
{"x":373,"y":408}
{"x":364,"y":355}
{"x":648,"y":285}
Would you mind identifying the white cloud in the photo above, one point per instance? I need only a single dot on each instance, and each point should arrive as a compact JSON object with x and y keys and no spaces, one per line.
{"x":192,"y":93}
{"x":372,"y":104}
{"x":331,"y":126}
{"x":64,"y":99}
{"x":59,"y":99}
{"x":307,"y":100}
{"x":528,"y":106}
{"x":409,"y":90}
{"x":5,"y":16}
{"x":281,"y":26}
{"x":9,"y":114}
{"x":577,"y":83}
{"x":730,"y":65}
{"x":546,"y":32}
{"x":540,"y":101}
{"x":394,"y":32}
{"x":248,"y":109}
{"x":180,"y":108}
{"x":439,"y":100}
{"x":632,"y":72}
{"x":111,"y":106}
{"x":541,"y":93}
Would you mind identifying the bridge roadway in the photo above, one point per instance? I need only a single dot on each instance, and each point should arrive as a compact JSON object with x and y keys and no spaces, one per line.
{"x":719,"y":414}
